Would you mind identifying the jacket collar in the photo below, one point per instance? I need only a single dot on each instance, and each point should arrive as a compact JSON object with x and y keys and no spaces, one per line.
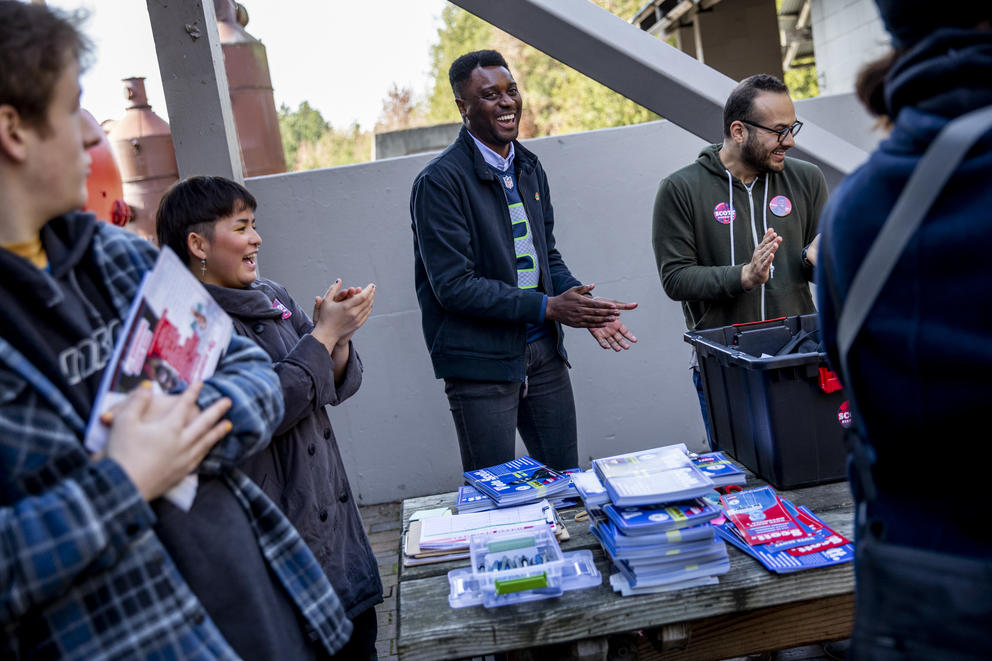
{"x":66,"y":239}
{"x":250,"y":303}
{"x":523,"y":162}
{"x":709,"y":159}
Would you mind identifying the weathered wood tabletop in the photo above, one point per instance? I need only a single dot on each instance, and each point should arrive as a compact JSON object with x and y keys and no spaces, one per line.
{"x":751,"y":610}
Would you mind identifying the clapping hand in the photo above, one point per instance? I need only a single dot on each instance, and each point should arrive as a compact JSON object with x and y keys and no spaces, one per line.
{"x":340,"y":312}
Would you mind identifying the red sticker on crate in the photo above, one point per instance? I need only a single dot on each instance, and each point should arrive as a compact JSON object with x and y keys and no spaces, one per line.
{"x":829,"y":382}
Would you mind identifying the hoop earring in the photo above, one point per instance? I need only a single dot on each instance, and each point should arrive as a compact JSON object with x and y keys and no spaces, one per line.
{"x":203,"y":269}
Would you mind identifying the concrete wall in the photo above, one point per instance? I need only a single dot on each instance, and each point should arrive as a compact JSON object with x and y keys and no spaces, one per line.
{"x":353,"y":222}
{"x":844,"y":115}
{"x":846,"y":35}
{"x":414,"y":141}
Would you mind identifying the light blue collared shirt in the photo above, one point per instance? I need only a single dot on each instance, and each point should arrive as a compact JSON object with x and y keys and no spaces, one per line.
{"x":492,"y":158}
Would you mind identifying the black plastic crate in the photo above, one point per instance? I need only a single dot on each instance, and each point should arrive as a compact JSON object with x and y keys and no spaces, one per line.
{"x":779,"y":415}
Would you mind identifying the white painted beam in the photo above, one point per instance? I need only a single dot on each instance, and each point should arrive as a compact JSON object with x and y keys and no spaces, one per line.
{"x":645,"y":70}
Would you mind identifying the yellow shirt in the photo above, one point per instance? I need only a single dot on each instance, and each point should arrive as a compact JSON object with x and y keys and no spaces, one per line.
{"x":32,"y":251}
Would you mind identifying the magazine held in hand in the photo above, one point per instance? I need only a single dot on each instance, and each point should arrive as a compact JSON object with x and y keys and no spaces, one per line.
{"x":174,"y":335}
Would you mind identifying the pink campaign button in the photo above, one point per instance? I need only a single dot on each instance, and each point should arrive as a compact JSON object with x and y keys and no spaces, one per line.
{"x":724,"y":213}
{"x":780,"y":205}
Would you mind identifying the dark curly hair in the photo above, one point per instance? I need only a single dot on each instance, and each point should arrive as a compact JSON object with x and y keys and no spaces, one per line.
{"x":462,"y":68}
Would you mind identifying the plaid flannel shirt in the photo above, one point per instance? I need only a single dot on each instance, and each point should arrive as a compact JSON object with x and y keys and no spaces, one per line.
{"x":82,"y":575}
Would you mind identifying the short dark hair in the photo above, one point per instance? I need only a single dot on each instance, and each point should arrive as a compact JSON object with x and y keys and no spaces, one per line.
{"x":35,"y":45}
{"x":739,"y":103}
{"x":194,"y":205}
{"x":462,"y":68}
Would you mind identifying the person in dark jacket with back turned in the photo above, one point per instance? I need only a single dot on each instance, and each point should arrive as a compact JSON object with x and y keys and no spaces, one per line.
{"x":210,"y":223}
{"x":493,"y":289}
{"x":919,"y":367}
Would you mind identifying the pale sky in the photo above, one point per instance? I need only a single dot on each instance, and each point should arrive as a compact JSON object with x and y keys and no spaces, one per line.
{"x":340,"y":55}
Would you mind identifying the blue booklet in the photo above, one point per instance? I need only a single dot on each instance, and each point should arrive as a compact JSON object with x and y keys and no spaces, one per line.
{"x":658,"y":539}
{"x":590,"y":489}
{"x":519,"y":481}
{"x":659,"y":475}
{"x":718,"y":468}
{"x":471,"y":499}
{"x":675,"y":574}
{"x":653,"y":553}
{"x":647,"y":519}
{"x":716,"y":550}
{"x":782,"y":562}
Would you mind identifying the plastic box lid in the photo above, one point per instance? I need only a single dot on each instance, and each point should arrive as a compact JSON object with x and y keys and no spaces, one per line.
{"x":727,"y":343}
{"x":512,"y":568}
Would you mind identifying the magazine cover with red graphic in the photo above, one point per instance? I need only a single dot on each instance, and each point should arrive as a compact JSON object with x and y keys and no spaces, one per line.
{"x":760,"y":517}
{"x":174,"y":335}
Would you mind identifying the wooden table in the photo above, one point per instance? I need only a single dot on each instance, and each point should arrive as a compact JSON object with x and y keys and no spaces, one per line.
{"x":751,"y":610}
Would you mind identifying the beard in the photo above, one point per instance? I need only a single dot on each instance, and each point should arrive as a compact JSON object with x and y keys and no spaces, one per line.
{"x":757,"y":157}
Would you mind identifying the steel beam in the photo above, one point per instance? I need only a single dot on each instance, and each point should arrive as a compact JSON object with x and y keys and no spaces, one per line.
{"x":645,"y":70}
{"x":195,"y":83}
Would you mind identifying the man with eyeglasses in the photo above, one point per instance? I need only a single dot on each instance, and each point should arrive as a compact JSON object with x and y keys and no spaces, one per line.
{"x":735,"y":232}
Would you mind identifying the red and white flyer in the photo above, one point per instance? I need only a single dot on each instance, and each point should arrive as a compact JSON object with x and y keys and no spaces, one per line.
{"x":760,"y":517}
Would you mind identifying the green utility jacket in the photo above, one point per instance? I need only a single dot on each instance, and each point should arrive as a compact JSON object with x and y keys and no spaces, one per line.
{"x":701,"y":265}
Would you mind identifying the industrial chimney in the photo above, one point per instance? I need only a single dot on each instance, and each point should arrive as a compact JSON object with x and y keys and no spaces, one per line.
{"x":250,"y":87}
{"x":142,"y":144}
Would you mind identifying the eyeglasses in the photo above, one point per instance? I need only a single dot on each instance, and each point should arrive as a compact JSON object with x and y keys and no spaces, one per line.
{"x":794,"y":129}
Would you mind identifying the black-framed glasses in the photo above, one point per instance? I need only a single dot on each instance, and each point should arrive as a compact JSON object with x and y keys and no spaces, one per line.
{"x":794,"y":129}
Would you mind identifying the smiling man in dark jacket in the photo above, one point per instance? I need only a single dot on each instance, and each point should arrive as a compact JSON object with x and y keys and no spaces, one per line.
{"x":493,"y":289}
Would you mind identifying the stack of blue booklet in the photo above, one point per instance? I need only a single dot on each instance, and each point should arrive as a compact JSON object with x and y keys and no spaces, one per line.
{"x":519,"y":481}
{"x":719,"y":469}
{"x":658,"y":475}
{"x":648,"y":514}
{"x":778,"y":534}
{"x":470,"y":499}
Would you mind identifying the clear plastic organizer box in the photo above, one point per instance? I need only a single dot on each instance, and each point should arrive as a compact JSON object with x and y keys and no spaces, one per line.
{"x":512,"y":568}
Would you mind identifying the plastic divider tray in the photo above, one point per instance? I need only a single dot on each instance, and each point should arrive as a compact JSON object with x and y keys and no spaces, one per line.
{"x":512,"y":568}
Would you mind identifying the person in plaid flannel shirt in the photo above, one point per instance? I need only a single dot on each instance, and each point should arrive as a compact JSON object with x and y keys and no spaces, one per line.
{"x":93,"y":564}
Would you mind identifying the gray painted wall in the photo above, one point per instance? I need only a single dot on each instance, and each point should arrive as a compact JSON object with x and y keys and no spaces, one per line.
{"x":353,"y":222}
{"x":420,"y":140}
{"x":844,"y":115}
{"x":846,"y":35}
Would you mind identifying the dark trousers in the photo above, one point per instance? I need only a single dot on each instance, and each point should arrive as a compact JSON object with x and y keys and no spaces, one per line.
{"x":487,"y":413}
{"x":361,"y":645}
{"x":697,"y":382}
